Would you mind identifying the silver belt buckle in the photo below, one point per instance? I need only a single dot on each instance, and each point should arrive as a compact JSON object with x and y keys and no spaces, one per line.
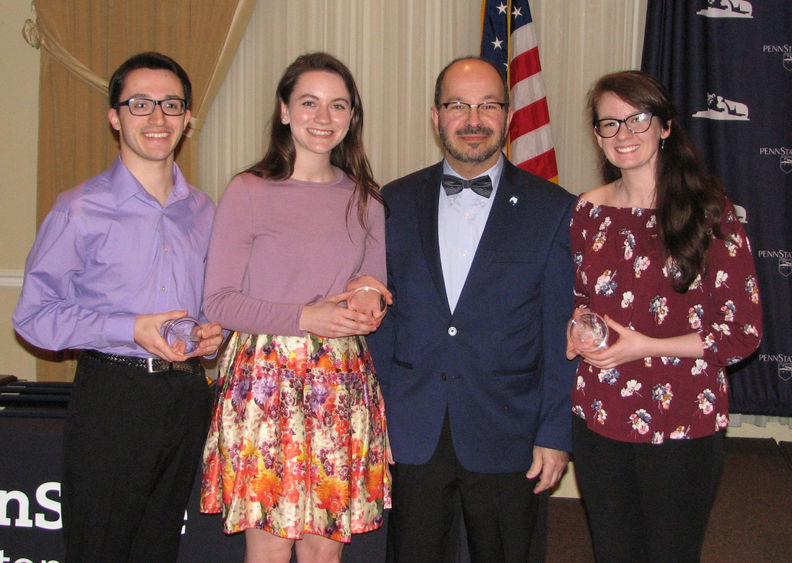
{"x":151,"y":366}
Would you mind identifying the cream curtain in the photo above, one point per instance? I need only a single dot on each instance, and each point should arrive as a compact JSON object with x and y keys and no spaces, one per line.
{"x":579,"y":41}
{"x":395,"y":50}
{"x":82,"y":42}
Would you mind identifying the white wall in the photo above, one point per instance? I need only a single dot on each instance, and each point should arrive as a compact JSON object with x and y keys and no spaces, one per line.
{"x":19,"y":75}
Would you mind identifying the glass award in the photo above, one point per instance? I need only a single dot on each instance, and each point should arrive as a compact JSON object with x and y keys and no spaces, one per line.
{"x":182,"y":330}
{"x":588,"y":332}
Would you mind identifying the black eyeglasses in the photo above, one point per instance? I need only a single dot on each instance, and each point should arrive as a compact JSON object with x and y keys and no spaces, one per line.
{"x":636,"y":123}
{"x":145,"y":106}
{"x":459,"y":109}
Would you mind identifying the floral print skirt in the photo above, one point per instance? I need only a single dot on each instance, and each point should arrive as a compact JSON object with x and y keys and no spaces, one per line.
{"x":297,"y":439}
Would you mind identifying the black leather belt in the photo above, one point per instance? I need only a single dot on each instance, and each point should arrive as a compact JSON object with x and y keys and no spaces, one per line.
{"x":151,"y":365}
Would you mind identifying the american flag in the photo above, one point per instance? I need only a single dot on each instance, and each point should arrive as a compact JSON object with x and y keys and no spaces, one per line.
{"x":509,"y":41}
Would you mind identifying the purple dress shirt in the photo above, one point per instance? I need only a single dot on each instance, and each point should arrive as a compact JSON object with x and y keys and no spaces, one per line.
{"x":107,"y":252}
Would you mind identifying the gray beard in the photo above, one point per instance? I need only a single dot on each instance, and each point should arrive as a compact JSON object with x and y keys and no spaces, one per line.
{"x":461,"y":157}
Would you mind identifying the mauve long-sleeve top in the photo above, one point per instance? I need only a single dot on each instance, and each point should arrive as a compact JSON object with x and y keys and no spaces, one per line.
{"x":278,"y":245}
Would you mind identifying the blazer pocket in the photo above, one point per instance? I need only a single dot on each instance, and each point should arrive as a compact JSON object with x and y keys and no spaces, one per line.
{"x":515,"y":372}
{"x":523,"y":256}
{"x":401,"y":364}
{"x":518,"y":385}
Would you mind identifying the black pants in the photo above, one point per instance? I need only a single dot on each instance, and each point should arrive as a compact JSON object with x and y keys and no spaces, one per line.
{"x":505,"y":521}
{"x":132,"y":444}
{"x":647,"y":502}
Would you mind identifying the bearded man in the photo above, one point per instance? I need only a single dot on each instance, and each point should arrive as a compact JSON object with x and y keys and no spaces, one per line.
{"x":471,"y":355}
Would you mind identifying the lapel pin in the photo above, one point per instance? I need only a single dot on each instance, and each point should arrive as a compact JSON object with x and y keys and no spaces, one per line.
{"x":513,"y":200}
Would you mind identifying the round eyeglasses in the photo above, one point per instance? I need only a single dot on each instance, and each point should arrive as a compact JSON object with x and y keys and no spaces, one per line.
{"x":145,"y":106}
{"x":461,"y":109}
{"x":635,"y":123}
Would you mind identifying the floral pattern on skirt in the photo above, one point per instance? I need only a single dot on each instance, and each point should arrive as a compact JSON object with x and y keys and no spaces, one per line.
{"x":297,"y":439}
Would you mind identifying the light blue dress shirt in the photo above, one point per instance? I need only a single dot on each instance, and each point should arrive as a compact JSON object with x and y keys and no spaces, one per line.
{"x":460,"y":221}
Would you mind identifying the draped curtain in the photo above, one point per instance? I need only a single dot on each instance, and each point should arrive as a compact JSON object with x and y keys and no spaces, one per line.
{"x":712,"y":57}
{"x":82,"y":42}
{"x":395,"y":51}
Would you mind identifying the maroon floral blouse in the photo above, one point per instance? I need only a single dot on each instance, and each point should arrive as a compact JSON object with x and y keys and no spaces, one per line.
{"x":621,"y":272}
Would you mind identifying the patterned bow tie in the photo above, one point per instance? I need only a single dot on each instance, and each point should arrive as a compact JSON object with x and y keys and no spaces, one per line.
{"x":481,"y":185}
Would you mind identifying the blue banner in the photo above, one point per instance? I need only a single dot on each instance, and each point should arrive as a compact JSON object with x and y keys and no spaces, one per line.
{"x":728,"y":64}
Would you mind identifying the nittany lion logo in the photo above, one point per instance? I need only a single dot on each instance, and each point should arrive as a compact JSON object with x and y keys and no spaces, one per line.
{"x":788,"y":61}
{"x":741,"y":213}
{"x":727,"y":9}
{"x":719,"y":107}
{"x":784,"y":371}
{"x":786,"y":164}
{"x":785,"y":267}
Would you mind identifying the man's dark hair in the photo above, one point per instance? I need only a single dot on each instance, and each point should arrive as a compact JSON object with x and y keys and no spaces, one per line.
{"x":151,"y":60}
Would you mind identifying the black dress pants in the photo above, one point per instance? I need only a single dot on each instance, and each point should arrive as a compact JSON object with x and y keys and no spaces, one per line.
{"x":504,"y":520}
{"x":647,"y":502}
{"x":132,"y":444}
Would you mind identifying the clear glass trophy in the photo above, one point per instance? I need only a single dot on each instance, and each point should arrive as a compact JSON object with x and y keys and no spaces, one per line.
{"x":588,"y":332}
{"x":182,"y":330}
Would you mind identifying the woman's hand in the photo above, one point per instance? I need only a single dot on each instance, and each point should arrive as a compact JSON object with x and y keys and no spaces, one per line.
{"x":211,"y":337}
{"x":368,"y":300}
{"x":630,"y":345}
{"x":330,"y":319}
{"x":370,"y":296}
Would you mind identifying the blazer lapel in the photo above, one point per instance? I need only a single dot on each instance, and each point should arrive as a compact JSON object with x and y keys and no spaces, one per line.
{"x":496,"y":232}
{"x":427,"y":200}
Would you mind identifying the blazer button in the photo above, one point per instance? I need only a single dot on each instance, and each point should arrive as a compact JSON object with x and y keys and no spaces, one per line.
{"x":443,"y":377}
{"x":452,"y":330}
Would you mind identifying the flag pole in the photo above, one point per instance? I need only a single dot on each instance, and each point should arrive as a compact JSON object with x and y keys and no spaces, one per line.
{"x":508,"y":67}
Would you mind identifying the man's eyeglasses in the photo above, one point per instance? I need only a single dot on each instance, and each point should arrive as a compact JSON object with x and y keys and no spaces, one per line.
{"x":461,"y":109}
{"x":145,"y":106}
{"x":636,"y":123}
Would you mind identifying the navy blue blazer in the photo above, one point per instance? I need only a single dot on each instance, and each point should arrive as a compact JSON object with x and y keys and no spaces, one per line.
{"x":497,"y":365}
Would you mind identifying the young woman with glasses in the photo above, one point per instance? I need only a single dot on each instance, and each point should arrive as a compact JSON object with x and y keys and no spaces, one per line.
{"x":660,"y":254}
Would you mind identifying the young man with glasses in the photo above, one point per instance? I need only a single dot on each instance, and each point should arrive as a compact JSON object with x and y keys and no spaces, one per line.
{"x":471,"y":354}
{"x":115,"y":259}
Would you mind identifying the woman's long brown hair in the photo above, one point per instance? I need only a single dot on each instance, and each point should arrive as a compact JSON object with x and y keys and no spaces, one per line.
{"x":689,"y":202}
{"x":349,"y":155}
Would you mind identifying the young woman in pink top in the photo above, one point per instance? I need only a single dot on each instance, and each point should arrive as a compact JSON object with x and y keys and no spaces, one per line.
{"x":296,"y":453}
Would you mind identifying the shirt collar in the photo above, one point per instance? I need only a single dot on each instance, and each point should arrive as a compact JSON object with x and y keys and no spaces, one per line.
{"x":125,"y":186}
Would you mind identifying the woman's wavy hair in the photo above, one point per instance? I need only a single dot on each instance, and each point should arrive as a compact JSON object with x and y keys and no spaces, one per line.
{"x":349,"y":155}
{"x":689,"y":201}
